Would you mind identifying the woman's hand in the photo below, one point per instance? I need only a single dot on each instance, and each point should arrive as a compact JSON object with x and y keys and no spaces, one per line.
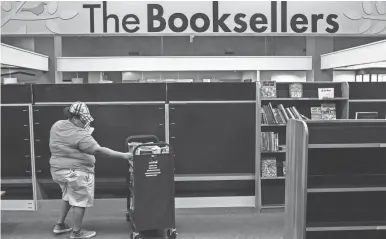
{"x":128,"y":156}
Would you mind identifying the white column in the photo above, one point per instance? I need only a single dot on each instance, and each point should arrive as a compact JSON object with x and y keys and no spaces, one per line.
{"x":316,"y":46}
{"x":57,"y":53}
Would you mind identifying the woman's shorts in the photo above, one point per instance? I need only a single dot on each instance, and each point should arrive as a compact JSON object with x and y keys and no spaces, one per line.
{"x":77,"y":186}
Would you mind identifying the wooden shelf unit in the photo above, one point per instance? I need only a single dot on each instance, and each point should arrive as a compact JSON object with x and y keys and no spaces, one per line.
{"x":334,"y":191}
{"x":271,"y":193}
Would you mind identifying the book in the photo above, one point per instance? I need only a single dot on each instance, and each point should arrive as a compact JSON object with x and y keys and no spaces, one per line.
{"x":263,"y":117}
{"x":328,"y":111}
{"x":296,"y":113}
{"x":283,"y":111}
{"x":269,"y":142}
{"x":316,"y":113}
{"x":290,"y":114}
{"x":325,"y":93}
{"x":281,"y":116}
{"x":269,"y":115}
{"x":277,"y":116}
{"x":263,"y":142}
{"x":268,"y":89}
{"x":304,"y":117}
{"x":296,"y":90}
{"x":273,"y":114}
{"x":268,"y":167}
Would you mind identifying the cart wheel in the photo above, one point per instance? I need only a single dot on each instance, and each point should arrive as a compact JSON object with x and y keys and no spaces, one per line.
{"x":172,"y":234}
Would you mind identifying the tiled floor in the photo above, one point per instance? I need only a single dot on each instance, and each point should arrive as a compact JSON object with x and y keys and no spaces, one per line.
{"x":107,"y":217}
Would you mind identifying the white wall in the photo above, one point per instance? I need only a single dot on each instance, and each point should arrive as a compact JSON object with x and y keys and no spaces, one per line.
{"x":283,"y":76}
{"x":344,"y":76}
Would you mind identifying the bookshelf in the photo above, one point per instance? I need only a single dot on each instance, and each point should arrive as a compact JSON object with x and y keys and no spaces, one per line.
{"x":271,"y":184}
{"x":367,"y":97}
{"x":336,"y":187}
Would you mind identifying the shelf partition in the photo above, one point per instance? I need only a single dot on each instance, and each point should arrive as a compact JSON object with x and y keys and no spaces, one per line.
{"x":338,"y":188}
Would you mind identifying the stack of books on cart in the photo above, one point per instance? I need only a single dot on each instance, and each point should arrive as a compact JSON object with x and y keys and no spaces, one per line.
{"x":147,"y":148}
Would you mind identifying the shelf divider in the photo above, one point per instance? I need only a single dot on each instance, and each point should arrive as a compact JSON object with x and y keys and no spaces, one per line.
{"x":352,"y":189}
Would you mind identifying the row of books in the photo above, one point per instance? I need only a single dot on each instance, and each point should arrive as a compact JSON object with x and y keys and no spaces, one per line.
{"x":280,"y":115}
{"x":269,"y":142}
{"x":268,"y":90}
{"x":272,"y":168}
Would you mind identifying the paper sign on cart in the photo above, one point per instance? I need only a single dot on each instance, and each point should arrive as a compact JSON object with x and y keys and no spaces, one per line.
{"x":153,"y":169}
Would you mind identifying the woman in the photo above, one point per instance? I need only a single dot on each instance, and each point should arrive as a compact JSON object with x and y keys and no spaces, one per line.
{"x":72,"y":165}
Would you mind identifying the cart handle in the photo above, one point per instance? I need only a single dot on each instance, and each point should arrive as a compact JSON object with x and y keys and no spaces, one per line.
{"x":160,"y":144}
{"x":141,"y":139}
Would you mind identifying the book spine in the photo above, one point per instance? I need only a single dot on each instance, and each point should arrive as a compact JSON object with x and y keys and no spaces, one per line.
{"x":277,"y":116}
{"x":262,"y":142}
{"x":281,"y":107}
{"x":290,"y":113}
{"x":304,"y":117}
{"x":282,"y":118}
{"x":273,"y":113}
{"x":268,"y":115}
{"x":276,"y":142}
{"x":296,"y":113}
{"x":264,"y":116}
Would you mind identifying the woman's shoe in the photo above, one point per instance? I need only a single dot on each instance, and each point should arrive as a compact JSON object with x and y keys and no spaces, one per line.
{"x":62,"y":228}
{"x":82,"y":234}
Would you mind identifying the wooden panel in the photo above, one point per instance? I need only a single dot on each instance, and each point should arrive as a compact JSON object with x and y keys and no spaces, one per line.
{"x":15,"y":153}
{"x":213,"y":138}
{"x":100,"y":92}
{"x":368,"y":234}
{"x":295,"y":197}
{"x":379,"y":107}
{"x":273,"y":192}
{"x":346,"y":208}
{"x":215,"y":188}
{"x":16,"y":94}
{"x":367,"y":90}
{"x":211,"y":91}
{"x":347,"y":132}
{"x":360,"y":167}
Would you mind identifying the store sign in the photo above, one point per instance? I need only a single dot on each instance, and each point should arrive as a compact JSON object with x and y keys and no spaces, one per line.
{"x":203,"y":17}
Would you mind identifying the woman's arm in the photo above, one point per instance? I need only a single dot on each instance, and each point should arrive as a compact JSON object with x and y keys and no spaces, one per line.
{"x":103,"y":151}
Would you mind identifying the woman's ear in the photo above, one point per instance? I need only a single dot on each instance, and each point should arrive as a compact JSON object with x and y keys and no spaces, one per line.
{"x":66,"y":112}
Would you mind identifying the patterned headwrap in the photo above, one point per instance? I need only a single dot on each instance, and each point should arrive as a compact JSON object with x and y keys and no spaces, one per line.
{"x":81,"y":109}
